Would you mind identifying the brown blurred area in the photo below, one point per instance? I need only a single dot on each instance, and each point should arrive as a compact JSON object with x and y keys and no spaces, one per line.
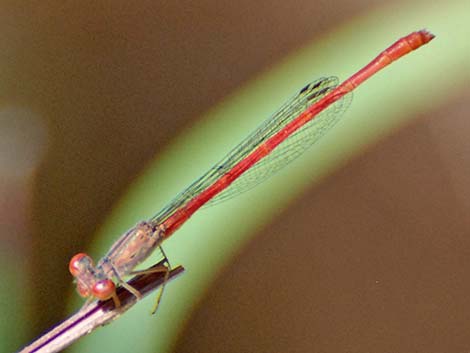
{"x":374,"y":259}
{"x":115,"y":81}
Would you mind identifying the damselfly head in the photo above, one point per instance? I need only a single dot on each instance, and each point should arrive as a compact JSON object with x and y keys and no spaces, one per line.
{"x":88,"y":284}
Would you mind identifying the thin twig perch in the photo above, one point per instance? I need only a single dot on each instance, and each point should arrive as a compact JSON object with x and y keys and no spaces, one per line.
{"x":97,"y":314}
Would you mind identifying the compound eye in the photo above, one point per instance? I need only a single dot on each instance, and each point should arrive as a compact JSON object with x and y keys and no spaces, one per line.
{"x":104,"y":289}
{"x":78,"y":263}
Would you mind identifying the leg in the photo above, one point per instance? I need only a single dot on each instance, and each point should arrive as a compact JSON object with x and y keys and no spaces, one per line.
{"x":160,"y":294}
{"x":134,"y":291}
{"x":128,"y":287}
{"x":161,"y":268}
{"x":131,"y":289}
{"x":117,"y":302}
{"x":165,"y":280}
{"x":165,"y":257}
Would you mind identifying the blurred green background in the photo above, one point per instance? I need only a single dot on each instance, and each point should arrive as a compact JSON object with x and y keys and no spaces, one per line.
{"x":109,"y":109}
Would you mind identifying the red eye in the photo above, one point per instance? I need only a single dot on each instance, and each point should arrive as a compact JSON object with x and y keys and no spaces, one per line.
{"x":78,"y":263}
{"x":103,"y":289}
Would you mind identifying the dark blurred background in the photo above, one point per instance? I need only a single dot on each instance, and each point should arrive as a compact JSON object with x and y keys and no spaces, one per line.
{"x":93,"y":91}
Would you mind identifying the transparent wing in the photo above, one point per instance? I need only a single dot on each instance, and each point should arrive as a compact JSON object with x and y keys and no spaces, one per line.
{"x":282,"y":155}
